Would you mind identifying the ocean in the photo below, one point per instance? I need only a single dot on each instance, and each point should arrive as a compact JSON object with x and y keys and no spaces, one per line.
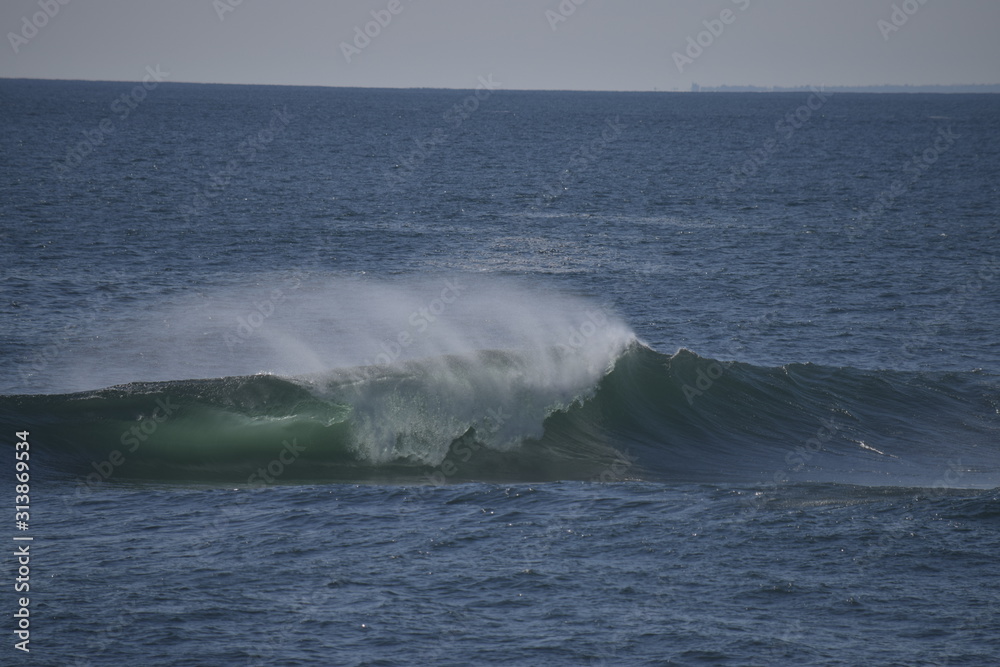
{"x":321,"y":376}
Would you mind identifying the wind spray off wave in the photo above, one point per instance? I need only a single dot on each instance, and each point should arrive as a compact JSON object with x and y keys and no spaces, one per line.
{"x":300,"y":325}
{"x":368,"y":376}
{"x":460,"y":380}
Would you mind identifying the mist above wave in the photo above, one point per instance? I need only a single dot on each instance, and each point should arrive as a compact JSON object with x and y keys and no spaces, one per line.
{"x":304,"y":324}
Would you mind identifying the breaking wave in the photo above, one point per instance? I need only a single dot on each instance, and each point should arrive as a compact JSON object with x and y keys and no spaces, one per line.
{"x":624,"y":411}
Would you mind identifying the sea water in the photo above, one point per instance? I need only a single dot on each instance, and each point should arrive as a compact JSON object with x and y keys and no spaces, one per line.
{"x":378,"y":377}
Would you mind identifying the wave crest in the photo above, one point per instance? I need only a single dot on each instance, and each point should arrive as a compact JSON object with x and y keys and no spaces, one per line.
{"x":615,"y":406}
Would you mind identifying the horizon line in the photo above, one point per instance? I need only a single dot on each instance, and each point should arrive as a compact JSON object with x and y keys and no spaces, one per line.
{"x":709,"y":89}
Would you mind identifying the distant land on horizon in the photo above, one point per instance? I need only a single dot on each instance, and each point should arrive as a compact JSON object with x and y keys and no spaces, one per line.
{"x":960,"y":88}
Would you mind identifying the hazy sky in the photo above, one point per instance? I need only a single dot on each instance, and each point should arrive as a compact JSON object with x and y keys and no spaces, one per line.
{"x":524,"y":44}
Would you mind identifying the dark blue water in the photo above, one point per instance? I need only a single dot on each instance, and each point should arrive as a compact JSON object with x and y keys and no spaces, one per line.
{"x":372,"y":377}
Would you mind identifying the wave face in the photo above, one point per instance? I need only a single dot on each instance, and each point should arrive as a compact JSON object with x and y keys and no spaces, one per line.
{"x":627,"y":412}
